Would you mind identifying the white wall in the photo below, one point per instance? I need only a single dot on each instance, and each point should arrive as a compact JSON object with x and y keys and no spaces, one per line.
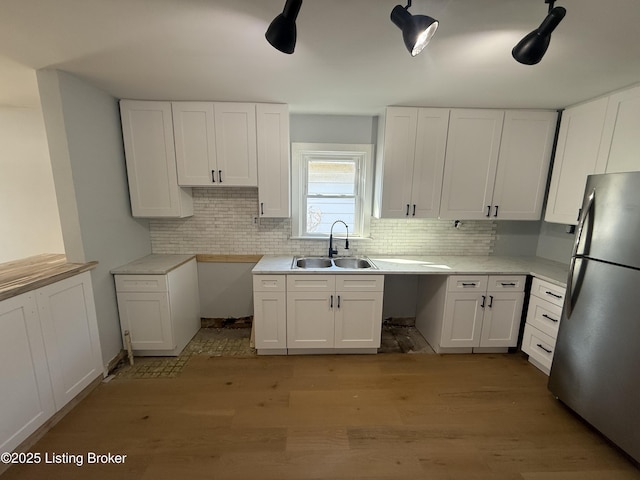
{"x":29,"y":220}
{"x":87,"y":155}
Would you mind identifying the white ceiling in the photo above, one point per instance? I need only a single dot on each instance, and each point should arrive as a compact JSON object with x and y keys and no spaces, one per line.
{"x":349,"y":59}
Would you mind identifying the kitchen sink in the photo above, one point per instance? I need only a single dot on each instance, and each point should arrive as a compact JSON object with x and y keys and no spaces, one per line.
{"x":350,"y":263}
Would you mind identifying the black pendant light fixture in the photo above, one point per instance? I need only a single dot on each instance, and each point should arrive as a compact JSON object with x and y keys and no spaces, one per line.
{"x":533,"y":46}
{"x":282,"y":31}
{"x":417,"y":30}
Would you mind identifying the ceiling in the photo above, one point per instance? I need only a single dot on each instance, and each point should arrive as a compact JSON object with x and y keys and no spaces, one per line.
{"x":349,"y":58}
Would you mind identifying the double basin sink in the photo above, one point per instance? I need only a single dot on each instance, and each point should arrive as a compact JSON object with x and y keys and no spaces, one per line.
{"x":350,"y":263}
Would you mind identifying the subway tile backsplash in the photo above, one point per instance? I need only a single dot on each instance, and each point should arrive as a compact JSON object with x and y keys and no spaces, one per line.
{"x":223,"y":223}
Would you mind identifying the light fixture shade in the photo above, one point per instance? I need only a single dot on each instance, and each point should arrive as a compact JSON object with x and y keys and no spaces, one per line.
{"x":533,"y":46}
{"x":282,"y":32}
{"x":417,"y":30}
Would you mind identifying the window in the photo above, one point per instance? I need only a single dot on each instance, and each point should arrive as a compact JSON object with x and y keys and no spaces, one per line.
{"x":331,"y":182}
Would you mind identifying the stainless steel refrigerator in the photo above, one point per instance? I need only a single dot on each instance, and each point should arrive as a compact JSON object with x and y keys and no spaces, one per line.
{"x":596,"y":364}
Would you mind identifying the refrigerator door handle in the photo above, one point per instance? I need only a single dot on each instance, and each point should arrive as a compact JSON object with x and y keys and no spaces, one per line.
{"x":586,"y":211}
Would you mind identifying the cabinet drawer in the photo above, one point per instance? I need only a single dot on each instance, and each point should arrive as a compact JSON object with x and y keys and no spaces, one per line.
{"x":467,"y":283}
{"x":269,"y":283}
{"x":510,"y":283}
{"x":539,"y":346}
{"x":141,"y":283}
{"x":543,"y":315}
{"x":360,"y":283}
{"x":311,"y":283}
{"x":548,"y":291}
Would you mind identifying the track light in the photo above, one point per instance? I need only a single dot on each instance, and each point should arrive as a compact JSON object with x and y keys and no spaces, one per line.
{"x":417,"y":30}
{"x":533,"y":46}
{"x":282,"y":31}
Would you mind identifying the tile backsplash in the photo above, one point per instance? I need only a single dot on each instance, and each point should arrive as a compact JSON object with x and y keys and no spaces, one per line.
{"x":223,"y":223}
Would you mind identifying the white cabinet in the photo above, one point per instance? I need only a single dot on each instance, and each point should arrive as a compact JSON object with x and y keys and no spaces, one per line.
{"x":215,"y":143}
{"x":470,"y":313}
{"x":161,"y":312}
{"x":270,"y":314}
{"x":497,"y":164}
{"x":413,"y":159}
{"x":543,"y":319}
{"x":274,"y":184}
{"x":336,"y":313}
{"x":620,"y":148}
{"x":49,"y":352}
{"x":577,"y":155}
{"x":26,"y":401}
{"x":70,"y":330}
{"x":147,"y":130}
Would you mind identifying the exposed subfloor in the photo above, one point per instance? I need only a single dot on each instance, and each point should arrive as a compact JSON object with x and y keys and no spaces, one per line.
{"x":234,"y":341}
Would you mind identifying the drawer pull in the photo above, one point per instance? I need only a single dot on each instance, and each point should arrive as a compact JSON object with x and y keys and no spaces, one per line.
{"x":508,"y":284}
{"x":468,"y":284}
{"x":546,"y":350}
{"x":549,"y":318}
{"x":553,"y":294}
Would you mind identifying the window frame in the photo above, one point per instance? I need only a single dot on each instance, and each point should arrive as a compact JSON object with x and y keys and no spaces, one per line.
{"x":301,"y":154}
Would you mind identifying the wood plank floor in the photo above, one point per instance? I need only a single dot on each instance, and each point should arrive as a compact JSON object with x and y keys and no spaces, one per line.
{"x":377,"y":417}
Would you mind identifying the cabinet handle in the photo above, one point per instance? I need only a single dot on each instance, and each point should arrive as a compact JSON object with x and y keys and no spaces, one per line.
{"x":468,"y":284}
{"x":553,"y":294}
{"x":261,"y":208}
{"x":550,"y":318}
{"x":213,"y":176}
{"x":338,"y":301}
{"x":496,"y":212}
{"x":546,"y":350}
{"x":488,"y":210}
{"x":508,"y":284}
{"x":414,"y":209}
{"x":579,"y":213}
{"x":483,"y":300}
{"x":490,"y":301}
{"x":220,"y":175}
{"x":407,"y":209}
{"x":331,"y":302}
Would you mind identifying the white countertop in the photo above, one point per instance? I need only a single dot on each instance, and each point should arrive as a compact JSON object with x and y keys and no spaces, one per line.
{"x":544,"y":269}
{"x":154,"y":264}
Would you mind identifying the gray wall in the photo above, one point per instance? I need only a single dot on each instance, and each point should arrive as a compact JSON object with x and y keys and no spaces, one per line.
{"x":516,"y":238}
{"x":87,"y":157}
{"x":554,"y":242}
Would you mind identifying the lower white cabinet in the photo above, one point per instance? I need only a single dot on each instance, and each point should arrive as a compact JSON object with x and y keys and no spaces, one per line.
{"x":49,"y":352}
{"x":270,"y":314}
{"x":161,"y":312}
{"x":475,"y":313}
{"x":543,"y":319}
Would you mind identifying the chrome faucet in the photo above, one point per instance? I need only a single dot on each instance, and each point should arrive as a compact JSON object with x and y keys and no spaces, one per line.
{"x":333,"y":251}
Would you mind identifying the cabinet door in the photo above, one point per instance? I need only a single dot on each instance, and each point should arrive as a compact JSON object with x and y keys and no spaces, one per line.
{"x":235,"y":125}
{"x":358,"y":319}
{"x":428,"y":167}
{"x":523,"y":165}
{"x":576,"y":157}
{"x":310,"y":319}
{"x":195,"y":141}
{"x":270,"y":320}
{"x":399,"y":154}
{"x":470,"y":165}
{"x":462,"y":322}
{"x":147,"y":317}
{"x":620,"y":141}
{"x":26,"y":401}
{"x":147,"y":130}
{"x":274,"y":191}
{"x":501,"y":322}
{"x":70,"y":331}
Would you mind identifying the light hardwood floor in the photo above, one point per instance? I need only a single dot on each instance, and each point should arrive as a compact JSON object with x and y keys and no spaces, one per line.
{"x":378,"y":417}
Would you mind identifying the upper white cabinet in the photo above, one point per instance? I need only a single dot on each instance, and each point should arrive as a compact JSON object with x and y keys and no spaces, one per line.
{"x":577,"y":155}
{"x":147,"y":130}
{"x":215,"y":143}
{"x":497,"y":164}
{"x":413,"y":159}
{"x":274,"y":191}
{"x":620,"y":147}
{"x":471,"y":161}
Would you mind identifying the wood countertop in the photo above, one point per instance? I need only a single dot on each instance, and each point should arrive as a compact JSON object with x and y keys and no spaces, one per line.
{"x":21,"y":276}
